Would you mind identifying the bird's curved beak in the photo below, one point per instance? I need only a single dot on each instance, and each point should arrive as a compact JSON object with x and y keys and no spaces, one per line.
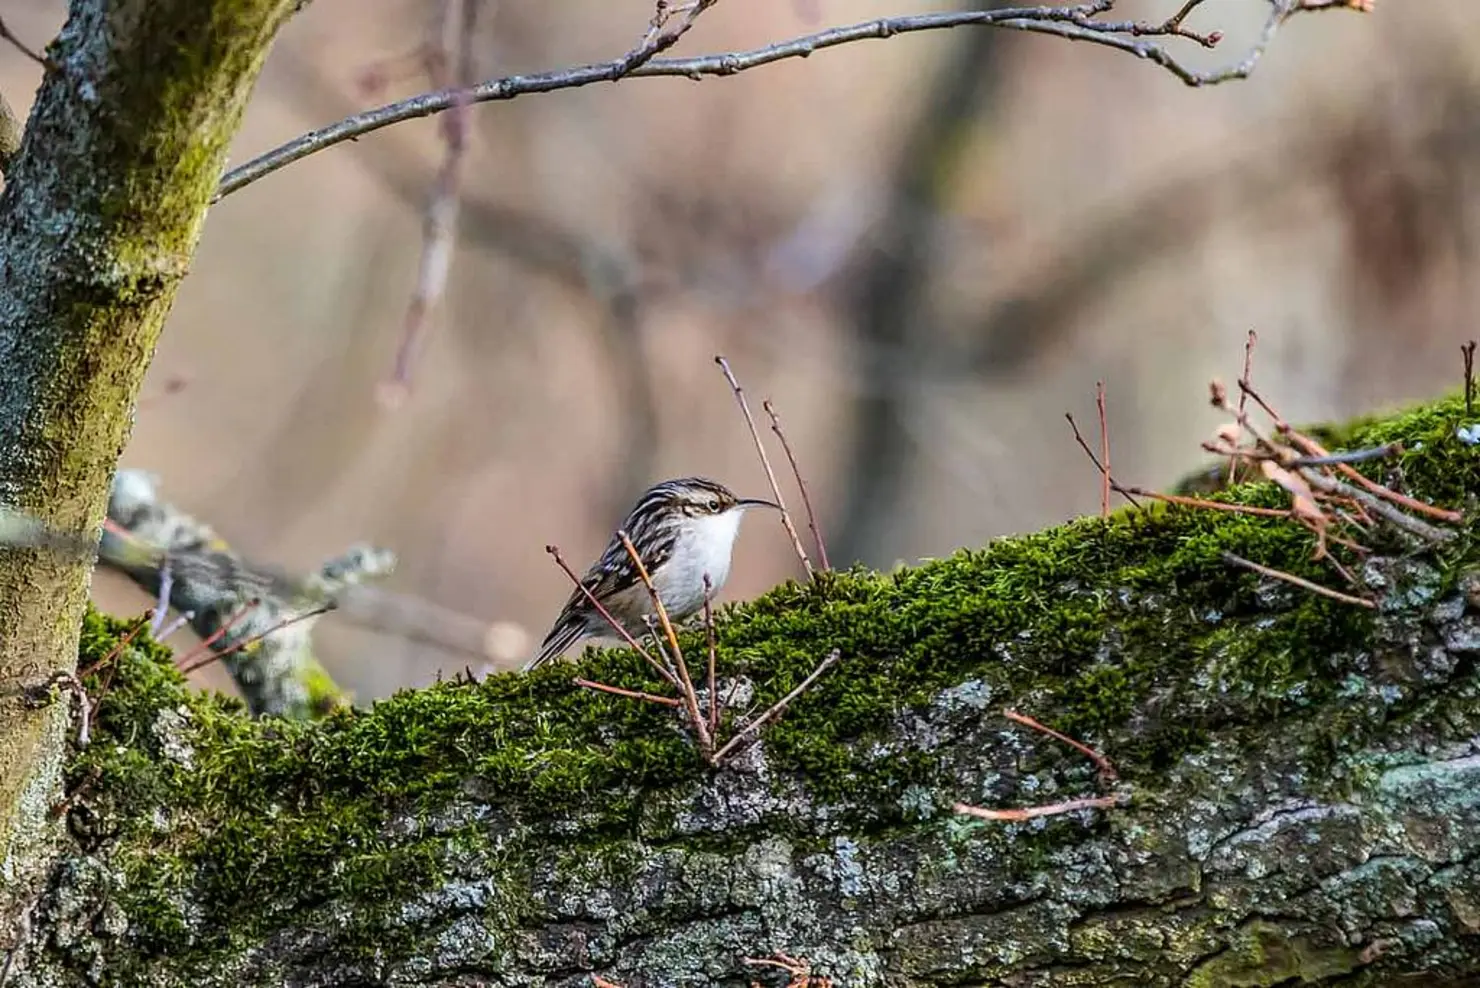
{"x":756,"y":502}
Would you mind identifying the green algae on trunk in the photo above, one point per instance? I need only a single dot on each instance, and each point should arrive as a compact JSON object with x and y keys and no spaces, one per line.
{"x":102,"y":208}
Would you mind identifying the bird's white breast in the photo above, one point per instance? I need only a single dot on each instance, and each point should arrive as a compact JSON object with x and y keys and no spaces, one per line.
{"x":703,"y":547}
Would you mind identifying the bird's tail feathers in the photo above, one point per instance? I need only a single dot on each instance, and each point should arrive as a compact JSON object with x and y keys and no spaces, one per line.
{"x":562,"y":636}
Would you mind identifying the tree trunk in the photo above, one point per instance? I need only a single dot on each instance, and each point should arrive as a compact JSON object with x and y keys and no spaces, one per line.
{"x":1300,"y":775}
{"x":102,"y":208}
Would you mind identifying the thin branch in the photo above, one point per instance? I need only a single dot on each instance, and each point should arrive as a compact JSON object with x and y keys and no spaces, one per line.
{"x":777,"y":708}
{"x":190,"y":657}
{"x":1352,"y":456}
{"x":1104,"y":447}
{"x":710,"y":646}
{"x":206,"y":660}
{"x":685,"y":684}
{"x":119,"y":646}
{"x":666,"y":701}
{"x":760,"y":448}
{"x":1243,"y":396}
{"x":1033,"y":812}
{"x":1197,"y":502}
{"x":1126,"y":492}
{"x":23,"y":48}
{"x":1298,"y":581}
{"x":801,"y":484}
{"x":1107,"y":771}
{"x":1467,"y":351}
{"x":1075,"y":23}
{"x":616,"y":625}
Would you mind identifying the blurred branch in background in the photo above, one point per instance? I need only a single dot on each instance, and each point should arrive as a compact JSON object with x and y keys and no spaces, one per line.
{"x":1078,"y":22}
{"x":450,"y":64}
{"x":260,"y":622}
{"x":889,"y":303}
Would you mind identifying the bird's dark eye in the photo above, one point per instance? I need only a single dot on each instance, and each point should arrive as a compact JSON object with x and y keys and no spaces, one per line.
{"x":714,"y":505}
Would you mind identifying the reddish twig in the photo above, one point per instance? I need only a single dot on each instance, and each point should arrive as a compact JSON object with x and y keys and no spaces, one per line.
{"x":1033,"y":812}
{"x":760,"y":449}
{"x":1197,"y":502}
{"x":1125,"y":492}
{"x":25,"y":49}
{"x":1249,"y":343}
{"x":118,"y":646}
{"x":685,"y":684}
{"x":1104,"y":450}
{"x":1106,"y":770}
{"x":711,"y":648}
{"x":1468,"y":352}
{"x":215,"y":636}
{"x":801,"y":484}
{"x":606,"y":615}
{"x":206,"y":660}
{"x":1298,"y":581}
{"x":776,"y":709}
{"x":666,"y":701}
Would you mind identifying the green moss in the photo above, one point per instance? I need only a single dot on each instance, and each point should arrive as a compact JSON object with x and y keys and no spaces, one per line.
{"x":1096,"y":628}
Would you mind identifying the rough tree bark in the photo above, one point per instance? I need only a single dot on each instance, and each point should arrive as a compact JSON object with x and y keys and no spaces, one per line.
{"x":102,"y":208}
{"x":1302,"y":784}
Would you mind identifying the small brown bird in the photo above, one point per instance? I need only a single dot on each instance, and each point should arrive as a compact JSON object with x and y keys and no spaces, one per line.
{"x":683,"y":530}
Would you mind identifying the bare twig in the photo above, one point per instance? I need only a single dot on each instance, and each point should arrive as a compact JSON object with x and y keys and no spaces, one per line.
{"x":1197,"y":502}
{"x":712,"y":656}
{"x":1351,"y":456}
{"x":1075,"y":23}
{"x":1126,"y":492}
{"x":666,"y":701}
{"x":1033,"y":812}
{"x":206,"y":660}
{"x":235,"y":618}
{"x":760,"y":448}
{"x":1379,"y":505}
{"x":685,"y":684}
{"x":606,"y":615}
{"x":776,"y":709}
{"x":118,"y":646}
{"x":1468,"y":352}
{"x":1243,"y":396}
{"x":801,"y":484}
{"x":1106,"y":770}
{"x":23,"y":48}
{"x":1298,"y":581}
{"x":1104,"y":449}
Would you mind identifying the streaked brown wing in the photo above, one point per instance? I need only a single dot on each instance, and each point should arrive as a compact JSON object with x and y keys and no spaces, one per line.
{"x":614,"y":572}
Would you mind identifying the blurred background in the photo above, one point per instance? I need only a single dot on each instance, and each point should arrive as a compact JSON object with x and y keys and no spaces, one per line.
{"x":925,"y":250}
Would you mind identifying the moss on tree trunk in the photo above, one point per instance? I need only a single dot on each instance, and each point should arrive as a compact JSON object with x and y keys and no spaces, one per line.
{"x":102,"y":208}
{"x":1303,"y":780}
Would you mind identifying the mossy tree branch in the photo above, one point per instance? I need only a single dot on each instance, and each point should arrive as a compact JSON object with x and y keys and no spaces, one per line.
{"x":102,"y":208}
{"x":1303,"y":779}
